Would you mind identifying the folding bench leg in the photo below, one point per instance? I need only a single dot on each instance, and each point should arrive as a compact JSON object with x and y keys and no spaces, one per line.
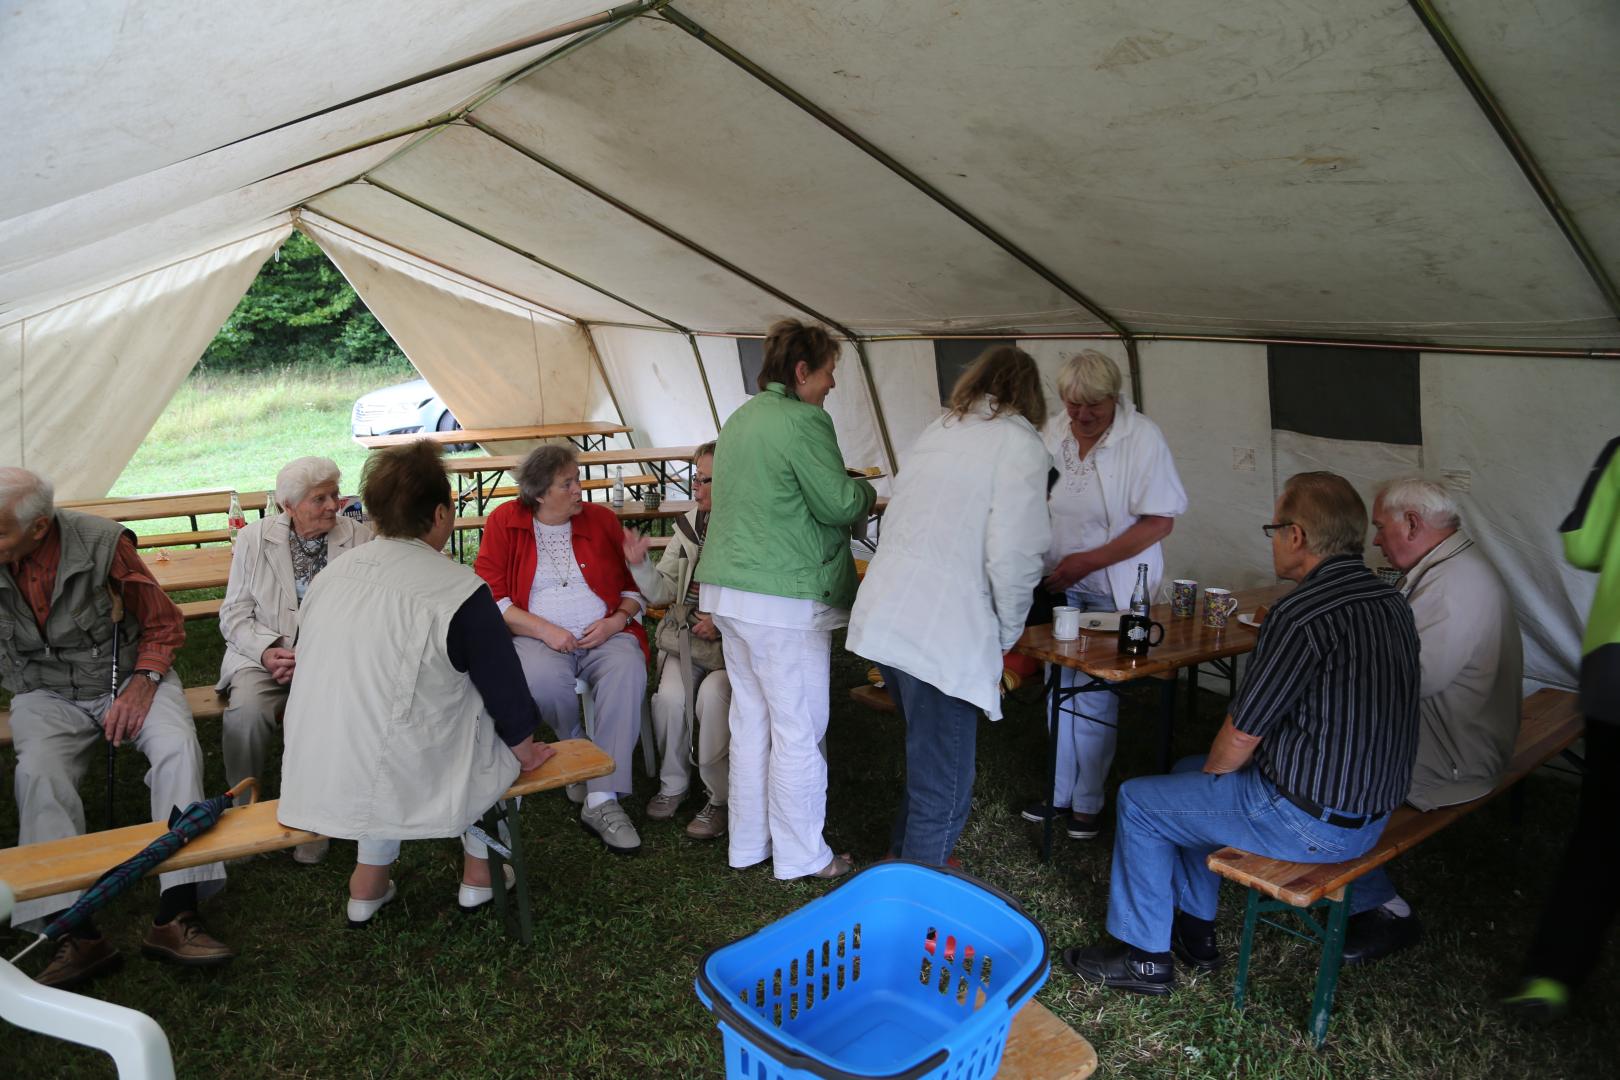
{"x":1327,"y":974}
{"x":507,"y":846}
{"x":1251,"y":915}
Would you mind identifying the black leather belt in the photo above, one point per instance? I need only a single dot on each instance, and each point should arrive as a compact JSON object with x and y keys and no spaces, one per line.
{"x":1320,"y":813}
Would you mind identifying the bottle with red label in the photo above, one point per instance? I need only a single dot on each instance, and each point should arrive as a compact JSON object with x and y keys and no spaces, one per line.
{"x":234,"y":521}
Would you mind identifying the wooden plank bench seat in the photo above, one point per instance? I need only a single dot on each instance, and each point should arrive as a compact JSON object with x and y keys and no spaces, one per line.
{"x":1042,"y":1047}
{"x":75,"y":862}
{"x":181,"y":539}
{"x":1550,"y":722}
{"x":873,"y":697}
{"x":200,"y":609}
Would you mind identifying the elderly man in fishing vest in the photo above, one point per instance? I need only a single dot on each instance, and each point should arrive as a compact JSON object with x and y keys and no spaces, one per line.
{"x":75,"y":599}
{"x":1472,"y":667}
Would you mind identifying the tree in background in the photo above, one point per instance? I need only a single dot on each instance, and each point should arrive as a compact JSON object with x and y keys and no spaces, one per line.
{"x":299,"y":310}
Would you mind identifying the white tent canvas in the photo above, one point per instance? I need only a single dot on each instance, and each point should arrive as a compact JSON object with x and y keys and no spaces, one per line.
{"x":562,"y":213}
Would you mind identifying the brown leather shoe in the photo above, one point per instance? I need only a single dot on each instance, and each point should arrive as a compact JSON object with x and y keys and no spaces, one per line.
{"x":184,"y":941}
{"x":78,"y":960}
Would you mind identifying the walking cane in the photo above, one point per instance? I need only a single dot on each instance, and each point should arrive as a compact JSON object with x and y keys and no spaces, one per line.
{"x":112,"y":751}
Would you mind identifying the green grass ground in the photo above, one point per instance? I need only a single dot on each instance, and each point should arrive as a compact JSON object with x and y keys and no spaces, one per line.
{"x":606,"y":989}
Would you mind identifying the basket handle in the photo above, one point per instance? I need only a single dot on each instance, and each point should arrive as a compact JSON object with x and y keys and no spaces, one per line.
{"x":728,"y":1013}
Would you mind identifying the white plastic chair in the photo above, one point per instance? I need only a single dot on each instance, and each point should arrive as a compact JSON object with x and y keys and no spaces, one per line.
{"x":136,"y":1043}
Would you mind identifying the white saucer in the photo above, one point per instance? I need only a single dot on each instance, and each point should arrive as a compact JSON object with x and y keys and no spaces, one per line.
{"x":1248,"y":620}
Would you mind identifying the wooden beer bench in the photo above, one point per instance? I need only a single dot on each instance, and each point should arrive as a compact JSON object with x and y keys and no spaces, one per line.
{"x":75,"y":862}
{"x":1551,"y":721}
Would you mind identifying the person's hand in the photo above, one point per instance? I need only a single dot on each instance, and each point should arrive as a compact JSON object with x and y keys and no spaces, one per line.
{"x":557,"y":639}
{"x":1070,"y":569}
{"x":126,"y":716}
{"x":279,"y":663}
{"x":603,"y":628}
{"x":635,"y":547}
{"x":531,"y":755}
{"x":705,"y":628}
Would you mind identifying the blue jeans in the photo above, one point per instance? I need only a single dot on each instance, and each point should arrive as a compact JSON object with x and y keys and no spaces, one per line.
{"x":941,"y":742}
{"x":1169,"y":824}
{"x":1372,"y":889}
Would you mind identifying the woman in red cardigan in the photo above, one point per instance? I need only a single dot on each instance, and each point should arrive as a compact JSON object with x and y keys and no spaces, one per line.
{"x":555,"y":565}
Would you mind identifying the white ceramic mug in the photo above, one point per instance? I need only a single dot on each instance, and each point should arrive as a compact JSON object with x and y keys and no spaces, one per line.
{"x":1219,"y":604}
{"x":1065,"y":623}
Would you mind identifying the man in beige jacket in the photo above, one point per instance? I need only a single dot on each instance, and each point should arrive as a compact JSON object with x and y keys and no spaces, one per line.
{"x":1472,"y":668}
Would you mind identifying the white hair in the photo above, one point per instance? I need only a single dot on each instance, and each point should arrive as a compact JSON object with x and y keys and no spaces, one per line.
{"x":1427,"y":499}
{"x":28,"y":495}
{"x":1087,"y":377}
{"x":300,"y":474}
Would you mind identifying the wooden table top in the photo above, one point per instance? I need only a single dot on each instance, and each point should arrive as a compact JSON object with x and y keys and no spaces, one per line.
{"x":498,"y":434}
{"x":190,"y":568}
{"x":1186,"y":641}
{"x":631,"y":456}
{"x":143,"y":508}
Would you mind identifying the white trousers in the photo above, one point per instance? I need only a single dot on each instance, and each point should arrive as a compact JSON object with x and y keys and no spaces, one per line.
{"x":57,"y":740}
{"x":1087,"y":731}
{"x":713,"y":705}
{"x":778,"y":717}
{"x":385,"y":851}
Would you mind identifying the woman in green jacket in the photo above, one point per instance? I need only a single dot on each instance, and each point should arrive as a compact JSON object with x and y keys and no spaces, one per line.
{"x":778,"y":577}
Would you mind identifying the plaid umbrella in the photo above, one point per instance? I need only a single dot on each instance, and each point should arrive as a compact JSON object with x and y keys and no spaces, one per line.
{"x":184,"y":826}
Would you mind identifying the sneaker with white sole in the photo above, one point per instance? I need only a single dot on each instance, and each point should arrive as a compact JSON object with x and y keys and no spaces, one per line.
{"x":710,"y":823}
{"x":611,"y":825}
{"x":662,"y":807}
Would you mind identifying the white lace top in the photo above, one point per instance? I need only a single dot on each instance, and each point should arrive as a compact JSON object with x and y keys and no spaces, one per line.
{"x":559,"y":594}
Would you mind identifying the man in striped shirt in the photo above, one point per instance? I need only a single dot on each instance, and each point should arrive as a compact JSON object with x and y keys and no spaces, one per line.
{"x":1316,"y":751}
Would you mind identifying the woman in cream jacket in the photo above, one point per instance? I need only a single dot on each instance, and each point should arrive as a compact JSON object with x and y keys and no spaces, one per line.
{"x":947,"y":593}
{"x":272,"y":563}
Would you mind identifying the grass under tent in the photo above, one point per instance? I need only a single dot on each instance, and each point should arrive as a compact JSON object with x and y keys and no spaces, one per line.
{"x":606,"y":988}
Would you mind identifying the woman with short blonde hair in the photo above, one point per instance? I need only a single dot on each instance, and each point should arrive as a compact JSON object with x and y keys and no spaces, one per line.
{"x":1116,"y":498}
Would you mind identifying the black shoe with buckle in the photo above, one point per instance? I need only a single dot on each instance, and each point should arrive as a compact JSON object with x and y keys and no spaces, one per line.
{"x":1373,"y":935}
{"x":1193,"y":942}
{"x":1122,"y":967}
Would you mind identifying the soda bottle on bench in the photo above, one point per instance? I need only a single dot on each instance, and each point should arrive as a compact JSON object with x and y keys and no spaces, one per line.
{"x":234,"y":521}
{"x":618,"y":488}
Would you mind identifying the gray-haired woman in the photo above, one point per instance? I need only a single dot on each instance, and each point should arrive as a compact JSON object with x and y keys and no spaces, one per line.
{"x":272,"y":564}
{"x":555,"y":565}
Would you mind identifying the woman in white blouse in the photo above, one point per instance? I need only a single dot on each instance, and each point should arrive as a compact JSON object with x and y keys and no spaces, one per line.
{"x":1116,"y":498}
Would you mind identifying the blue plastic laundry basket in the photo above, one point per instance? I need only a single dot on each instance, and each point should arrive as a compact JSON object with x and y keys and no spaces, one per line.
{"x":903,"y":971}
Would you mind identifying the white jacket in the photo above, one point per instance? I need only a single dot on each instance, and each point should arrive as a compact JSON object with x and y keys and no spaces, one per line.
{"x":385,"y":738}
{"x":962,"y":546}
{"x":261,"y":602}
{"x":1139,"y":479}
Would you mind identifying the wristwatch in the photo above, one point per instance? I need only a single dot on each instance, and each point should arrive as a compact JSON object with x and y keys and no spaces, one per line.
{"x":150,"y":674}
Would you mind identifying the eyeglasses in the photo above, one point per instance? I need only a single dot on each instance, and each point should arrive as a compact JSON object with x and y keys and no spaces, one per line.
{"x":703,"y":481}
{"x":1271,"y":529}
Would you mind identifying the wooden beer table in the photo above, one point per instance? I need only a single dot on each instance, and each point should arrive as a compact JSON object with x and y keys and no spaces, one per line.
{"x":586,"y":434}
{"x":1187,"y":643}
{"x":191,"y":568}
{"x":669,"y":464}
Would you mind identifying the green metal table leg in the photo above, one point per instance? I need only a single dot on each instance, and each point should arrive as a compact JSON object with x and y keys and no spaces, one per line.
{"x":1251,"y":914}
{"x":1327,"y":975}
{"x":497,"y":877}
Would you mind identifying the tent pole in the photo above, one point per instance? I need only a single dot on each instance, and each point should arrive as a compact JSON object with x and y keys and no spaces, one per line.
{"x":1245,"y":339}
{"x":894,"y":166}
{"x":601,"y":369}
{"x":514,"y":249}
{"x":707,"y":393}
{"x":652,"y":223}
{"x":877,"y":405}
{"x":590,"y":22}
{"x":1470,"y":76}
{"x":1136,"y":372}
{"x":304,"y":211}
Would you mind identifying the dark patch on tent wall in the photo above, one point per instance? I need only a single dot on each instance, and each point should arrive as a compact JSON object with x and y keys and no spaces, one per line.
{"x":1353,"y":394}
{"x":751,"y":355}
{"x":952,"y":357}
